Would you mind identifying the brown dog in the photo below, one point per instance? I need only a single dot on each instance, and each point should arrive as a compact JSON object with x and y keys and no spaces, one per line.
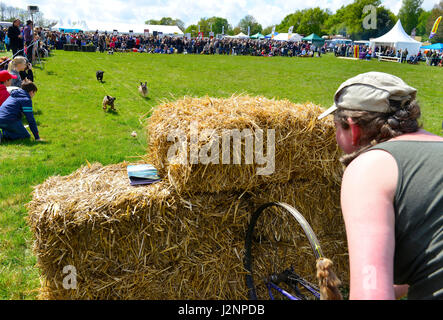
{"x":143,"y":89}
{"x":108,"y":101}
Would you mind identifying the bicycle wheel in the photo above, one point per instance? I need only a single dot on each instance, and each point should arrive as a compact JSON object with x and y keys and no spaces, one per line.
{"x":279,"y":246}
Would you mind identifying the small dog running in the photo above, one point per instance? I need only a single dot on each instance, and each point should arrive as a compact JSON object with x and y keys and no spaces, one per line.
{"x":143,"y":89}
{"x":108,"y":101}
{"x":99,"y":75}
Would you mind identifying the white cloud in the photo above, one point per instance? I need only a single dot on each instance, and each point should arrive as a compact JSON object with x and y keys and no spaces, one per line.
{"x":267,"y":12}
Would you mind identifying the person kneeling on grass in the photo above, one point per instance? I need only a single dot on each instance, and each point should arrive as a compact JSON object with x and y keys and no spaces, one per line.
{"x":392,"y":190}
{"x":12,"y":110}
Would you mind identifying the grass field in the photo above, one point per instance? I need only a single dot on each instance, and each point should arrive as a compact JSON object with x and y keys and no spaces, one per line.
{"x":71,"y":120}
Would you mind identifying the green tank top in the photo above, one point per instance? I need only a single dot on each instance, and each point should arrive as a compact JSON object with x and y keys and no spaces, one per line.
{"x":418,"y":205}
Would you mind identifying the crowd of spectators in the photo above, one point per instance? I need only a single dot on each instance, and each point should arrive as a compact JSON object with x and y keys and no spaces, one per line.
{"x":230,"y":46}
{"x":175,"y":44}
{"x":48,"y":40}
{"x":432,"y":57}
{"x":24,"y":40}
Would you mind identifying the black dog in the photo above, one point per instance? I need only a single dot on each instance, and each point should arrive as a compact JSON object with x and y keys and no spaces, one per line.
{"x":99,"y":75}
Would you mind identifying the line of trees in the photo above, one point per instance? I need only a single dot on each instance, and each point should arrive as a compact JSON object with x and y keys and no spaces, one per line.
{"x":10,"y":13}
{"x":347,"y":21}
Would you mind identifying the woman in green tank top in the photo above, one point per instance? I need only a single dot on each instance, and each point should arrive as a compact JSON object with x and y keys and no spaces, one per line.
{"x":392,"y":190}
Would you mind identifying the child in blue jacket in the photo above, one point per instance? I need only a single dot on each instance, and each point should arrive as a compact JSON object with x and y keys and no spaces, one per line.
{"x":11,"y":113}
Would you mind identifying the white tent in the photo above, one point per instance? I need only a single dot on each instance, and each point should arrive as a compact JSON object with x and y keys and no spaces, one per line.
{"x":241,"y":35}
{"x":169,"y":30}
{"x":137,"y":28}
{"x":70,"y":25}
{"x":285,"y":37}
{"x":398,"y":39}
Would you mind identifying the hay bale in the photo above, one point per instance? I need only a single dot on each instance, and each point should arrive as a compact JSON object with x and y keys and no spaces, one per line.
{"x":150,"y":242}
{"x":183,"y":238}
{"x":130,"y":242}
{"x":181,"y":149}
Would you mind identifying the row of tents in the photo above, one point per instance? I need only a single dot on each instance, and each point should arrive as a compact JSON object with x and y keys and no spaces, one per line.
{"x":313,"y":38}
{"x":396,"y":38}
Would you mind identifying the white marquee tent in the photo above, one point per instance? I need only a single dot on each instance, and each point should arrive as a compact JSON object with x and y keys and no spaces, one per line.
{"x":241,"y":35}
{"x":136,"y":28}
{"x":285,"y":37}
{"x":70,"y":25}
{"x":398,"y":39}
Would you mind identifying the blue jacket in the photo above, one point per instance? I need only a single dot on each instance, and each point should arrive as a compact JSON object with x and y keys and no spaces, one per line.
{"x":19,"y":103}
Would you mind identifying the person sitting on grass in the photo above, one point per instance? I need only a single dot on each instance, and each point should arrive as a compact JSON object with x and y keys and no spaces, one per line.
{"x":11,"y":113}
{"x":5,"y":81}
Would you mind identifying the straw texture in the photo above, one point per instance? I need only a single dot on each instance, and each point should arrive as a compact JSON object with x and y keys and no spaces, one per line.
{"x":183,"y":238}
{"x":305,"y":147}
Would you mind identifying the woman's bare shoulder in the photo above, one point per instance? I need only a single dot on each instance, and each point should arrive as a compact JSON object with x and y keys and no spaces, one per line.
{"x":373,"y":169}
{"x":420,"y":135}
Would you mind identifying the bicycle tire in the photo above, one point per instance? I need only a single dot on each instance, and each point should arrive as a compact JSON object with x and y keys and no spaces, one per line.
{"x":248,"y":262}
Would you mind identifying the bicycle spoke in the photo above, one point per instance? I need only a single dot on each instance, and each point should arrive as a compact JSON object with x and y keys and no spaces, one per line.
{"x":276,"y":241}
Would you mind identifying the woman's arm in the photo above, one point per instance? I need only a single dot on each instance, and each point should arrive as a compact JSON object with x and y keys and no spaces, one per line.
{"x":368,"y":189}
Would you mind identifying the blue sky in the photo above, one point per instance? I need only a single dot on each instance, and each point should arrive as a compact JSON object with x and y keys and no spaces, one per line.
{"x":267,"y":12}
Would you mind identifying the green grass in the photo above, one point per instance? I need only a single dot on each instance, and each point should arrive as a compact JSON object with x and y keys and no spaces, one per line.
{"x":71,"y":120}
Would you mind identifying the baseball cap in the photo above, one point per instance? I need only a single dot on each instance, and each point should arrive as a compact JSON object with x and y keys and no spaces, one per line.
{"x":370,"y":91}
{"x":5,"y":76}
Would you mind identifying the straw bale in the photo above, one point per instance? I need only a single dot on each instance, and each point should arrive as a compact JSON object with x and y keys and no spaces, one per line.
{"x":130,"y":242}
{"x":149,"y":242}
{"x":183,"y":238}
{"x":305,"y":147}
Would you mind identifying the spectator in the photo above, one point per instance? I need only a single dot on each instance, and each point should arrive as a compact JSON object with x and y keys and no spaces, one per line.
{"x":27,"y":74}
{"x":391,"y":193}
{"x":5,"y":81}
{"x":404,"y":55}
{"x":102,"y":44}
{"x":434,"y":58}
{"x":2,"y":39}
{"x":17,"y":65}
{"x":15,"y":38}
{"x":28,"y":37}
{"x":12,"y":110}
{"x":7,"y":42}
{"x":428,"y":57}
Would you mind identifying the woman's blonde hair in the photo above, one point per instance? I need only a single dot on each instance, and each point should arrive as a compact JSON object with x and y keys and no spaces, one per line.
{"x":15,"y":62}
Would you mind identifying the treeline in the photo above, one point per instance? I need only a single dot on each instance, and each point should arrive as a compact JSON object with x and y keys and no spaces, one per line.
{"x":10,"y":13}
{"x":347,"y":21}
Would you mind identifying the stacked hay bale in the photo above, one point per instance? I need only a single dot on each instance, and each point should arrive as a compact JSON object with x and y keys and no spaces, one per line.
{"x":183,"y":238}
{"x":305,"y":148}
